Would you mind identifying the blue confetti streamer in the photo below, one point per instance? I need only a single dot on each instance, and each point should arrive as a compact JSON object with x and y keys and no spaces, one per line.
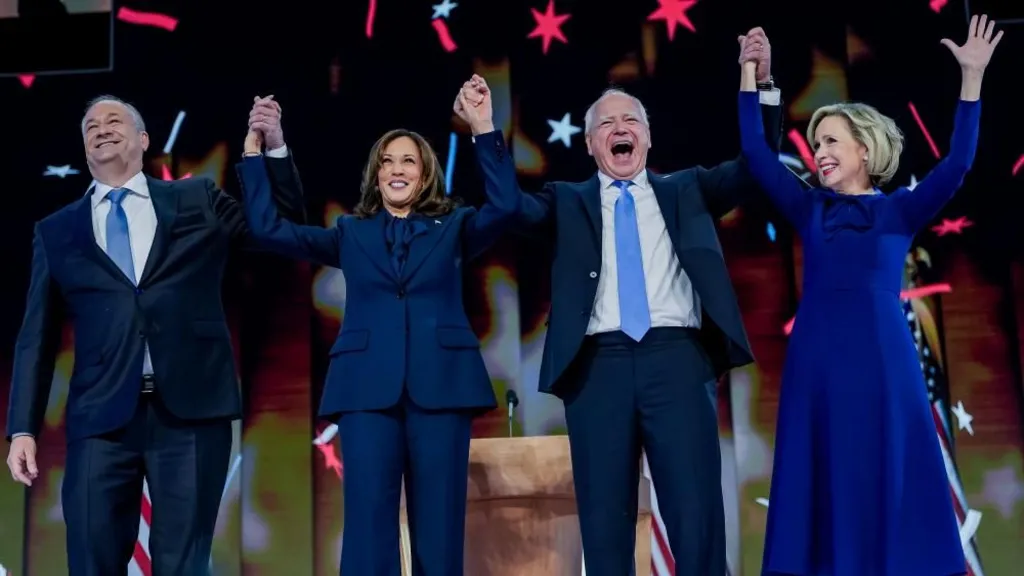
{"x":771,"y":232}
{"x":449,"y":169}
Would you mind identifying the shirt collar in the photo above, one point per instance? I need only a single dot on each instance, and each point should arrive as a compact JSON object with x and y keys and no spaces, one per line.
{"x":137,"y":184}
{"x":608,"y":182}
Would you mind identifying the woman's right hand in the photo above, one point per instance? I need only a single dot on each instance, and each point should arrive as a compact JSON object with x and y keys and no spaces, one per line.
{"x":750,"y":53}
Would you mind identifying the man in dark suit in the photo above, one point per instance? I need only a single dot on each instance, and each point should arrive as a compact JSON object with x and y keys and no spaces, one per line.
{"x":137,"y":266}
{"x":643,"y":320}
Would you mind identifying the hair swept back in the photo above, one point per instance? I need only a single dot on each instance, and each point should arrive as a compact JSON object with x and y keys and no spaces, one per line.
{"x":874,"y":130}
{"x":431,"y":198}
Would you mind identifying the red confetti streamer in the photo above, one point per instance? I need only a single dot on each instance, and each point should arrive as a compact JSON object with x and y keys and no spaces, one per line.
{"x":1018,"y":165}
{"x":924,"y":130}
{"x":919,"y":292}
{"x":153,"y":19}
{"x":371,"y":13}
{"x":166,"y":174}
{"x":331,"y":460}
{"x":27,"y":80}
{"x":443,"y":35}
{"x":803,"y":149}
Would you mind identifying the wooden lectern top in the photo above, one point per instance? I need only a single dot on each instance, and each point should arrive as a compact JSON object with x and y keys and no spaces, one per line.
{"x":527,"y":467}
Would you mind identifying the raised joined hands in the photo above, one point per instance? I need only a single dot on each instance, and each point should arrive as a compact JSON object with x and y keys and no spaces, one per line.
{"x":754,"y":47}
{"x":473,"y":105}
{"x":265,"y":121}
{"x":976,"y":51}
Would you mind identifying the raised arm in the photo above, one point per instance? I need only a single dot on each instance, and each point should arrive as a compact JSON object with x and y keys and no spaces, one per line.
{"x":919,"y":206}
{"x":782,"y":186}
{"x":35,"y":351}
{"x":726,"y":186}
{"x":506,"y":204}
{"x":271,"y":232}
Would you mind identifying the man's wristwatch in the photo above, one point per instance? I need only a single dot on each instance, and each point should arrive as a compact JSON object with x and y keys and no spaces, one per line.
{"x":767,"y":86}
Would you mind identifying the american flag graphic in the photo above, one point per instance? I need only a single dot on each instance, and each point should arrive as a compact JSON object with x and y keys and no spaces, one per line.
{"x":140,"y":564}
{"x":926,"y":335}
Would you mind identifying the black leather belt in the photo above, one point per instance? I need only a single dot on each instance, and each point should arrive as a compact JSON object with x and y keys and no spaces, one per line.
{"x":148,"y":384}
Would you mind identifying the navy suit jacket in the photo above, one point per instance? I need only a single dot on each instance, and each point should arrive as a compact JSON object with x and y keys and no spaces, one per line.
{"x":176,"y":308}
{"x":408,"y":331}
{"x":691,"y":201}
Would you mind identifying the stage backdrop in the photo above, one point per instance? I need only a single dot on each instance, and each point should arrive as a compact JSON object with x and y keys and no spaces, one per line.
{"x":347,"y":71}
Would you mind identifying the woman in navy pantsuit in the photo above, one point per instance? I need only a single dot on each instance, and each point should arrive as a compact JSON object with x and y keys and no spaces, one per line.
{"x":406,"y":376}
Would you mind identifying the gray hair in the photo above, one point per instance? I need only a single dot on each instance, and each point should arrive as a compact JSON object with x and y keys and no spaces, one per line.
{"x":588,"y":121}
{"x":140,"y":124}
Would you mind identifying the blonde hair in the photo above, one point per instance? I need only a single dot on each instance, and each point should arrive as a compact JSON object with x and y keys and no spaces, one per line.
{"x":872,"y":129}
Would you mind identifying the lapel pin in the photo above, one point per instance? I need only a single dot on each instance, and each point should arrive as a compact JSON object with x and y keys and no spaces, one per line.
{"x":437,"y":222}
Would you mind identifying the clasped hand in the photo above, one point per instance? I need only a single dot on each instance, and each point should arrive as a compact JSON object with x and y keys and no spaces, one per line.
{"x":264,"y":125}
{"x":754,"y":47}
{"x":473,"y":105}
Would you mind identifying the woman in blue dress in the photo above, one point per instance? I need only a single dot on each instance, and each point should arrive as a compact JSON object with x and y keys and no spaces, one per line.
{"x":859,"y":484}
{"x":406,"y":376}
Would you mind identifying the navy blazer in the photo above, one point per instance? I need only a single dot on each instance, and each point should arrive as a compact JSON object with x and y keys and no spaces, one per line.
{"x":691,"y":201}
{"x":401,"y":332}
{"x":176,"y":308}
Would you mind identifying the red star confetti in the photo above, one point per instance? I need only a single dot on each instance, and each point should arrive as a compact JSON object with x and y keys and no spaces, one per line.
{"x":937,"y":5}
{"x":955,"y":226}
{"x":27,"y":80}
{"x":673,"y":12}
{"x":924,"y":130}
{"x":549,"y":26}
{"x":153,"y":19}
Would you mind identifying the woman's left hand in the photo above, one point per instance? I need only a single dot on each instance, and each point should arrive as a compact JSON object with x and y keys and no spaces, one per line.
{"x":976,"y":52}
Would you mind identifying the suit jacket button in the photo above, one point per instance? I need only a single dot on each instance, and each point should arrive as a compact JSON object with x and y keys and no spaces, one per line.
{"x":400,"y":295}
{"x":593,"y":274}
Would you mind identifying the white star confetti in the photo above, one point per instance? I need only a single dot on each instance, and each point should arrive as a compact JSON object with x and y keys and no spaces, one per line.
{"x":61,"y":172}
{"x":563,"y":130}
{"x":913,"y":183}
{"x":762,"y":502}
{"x":963,"y":418}
{"x":443,"y":10}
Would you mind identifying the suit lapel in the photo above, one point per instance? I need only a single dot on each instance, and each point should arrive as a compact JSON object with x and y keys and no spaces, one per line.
{"x":590,"y":195}
{"x":165,"y":204}
{"x":422,"y":245}
{"x":85,"y":238}
{"x":369,"y":234}
{"x":668,"y":203}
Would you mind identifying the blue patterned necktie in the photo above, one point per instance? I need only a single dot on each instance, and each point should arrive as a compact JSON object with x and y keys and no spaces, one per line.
{"x":635,"y":315}
{"x":119,"y":246}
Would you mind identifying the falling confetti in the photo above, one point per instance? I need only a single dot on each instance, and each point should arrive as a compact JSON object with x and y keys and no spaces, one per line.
{"x":937,"y":5}
{"x":26,"y":80}
{"x":771,"y":231}
{"x":919,"y":292}
{"x":60,"y":171}
{"x":443,"y":35}
{"x":165,"y":174}
{"x":963,"y":418}
{"x":1017,"y":165}
{"x":153,"y":19}
{"x":673,"y":12}
{"x":444,"y":9}
{"x":449,"y":169}
{"x":924,"y":130}
{"x":371,"y":14}
{"x":955,"y":226}
{"x":802,"y":148}
{"x":762,"y":502}
{"x":169,"y":145}
{"x":563,"y":130}
{"x":549,"y":26}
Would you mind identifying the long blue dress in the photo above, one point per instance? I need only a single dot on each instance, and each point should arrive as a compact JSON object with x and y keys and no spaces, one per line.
{"x":859,"y":484}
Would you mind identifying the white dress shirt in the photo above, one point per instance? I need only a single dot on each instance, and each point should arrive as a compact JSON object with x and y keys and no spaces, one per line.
{"x":671,"y":298}
{"x":670,"y":295}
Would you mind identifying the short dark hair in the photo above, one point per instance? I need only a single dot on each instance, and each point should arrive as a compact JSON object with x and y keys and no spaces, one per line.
{"x":431,"y":198}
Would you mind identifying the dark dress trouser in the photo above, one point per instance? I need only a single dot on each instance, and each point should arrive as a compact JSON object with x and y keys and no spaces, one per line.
{"x":654,"y":395}
{"x":431,"y":449}
{"x":185,"y":465}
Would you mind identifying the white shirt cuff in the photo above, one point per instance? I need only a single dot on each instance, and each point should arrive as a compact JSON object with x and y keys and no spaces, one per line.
{"x":771,"y":97}
{"x":282,"y":152}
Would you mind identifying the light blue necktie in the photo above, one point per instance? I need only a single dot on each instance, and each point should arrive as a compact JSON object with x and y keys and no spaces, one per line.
{"x":119,"y":245}
{"x":635,"y":316}
{"x":119,"y":248}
